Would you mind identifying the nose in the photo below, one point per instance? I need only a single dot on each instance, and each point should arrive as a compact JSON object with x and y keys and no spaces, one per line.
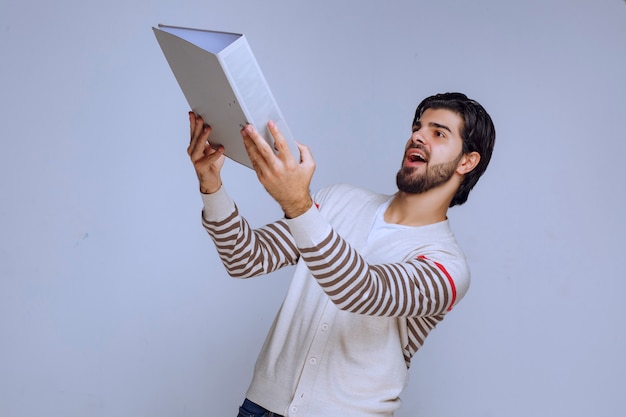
{"x":418,"y":137}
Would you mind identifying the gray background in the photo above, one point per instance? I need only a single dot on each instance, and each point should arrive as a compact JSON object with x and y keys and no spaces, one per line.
{"x":112,"y":300}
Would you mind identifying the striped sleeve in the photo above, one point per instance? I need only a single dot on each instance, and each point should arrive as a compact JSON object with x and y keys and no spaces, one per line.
{"x":247,"y":252}
{"x":416,"y":288}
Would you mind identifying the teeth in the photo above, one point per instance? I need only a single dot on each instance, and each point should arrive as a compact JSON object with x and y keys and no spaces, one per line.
{"x":416,"y":157}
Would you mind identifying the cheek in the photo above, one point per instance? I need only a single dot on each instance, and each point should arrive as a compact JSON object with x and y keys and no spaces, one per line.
{"x":450,"y":151}
{"x":458,"y":146}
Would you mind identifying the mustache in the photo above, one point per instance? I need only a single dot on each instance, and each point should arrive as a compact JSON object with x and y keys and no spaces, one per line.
{"x":420,"y":147}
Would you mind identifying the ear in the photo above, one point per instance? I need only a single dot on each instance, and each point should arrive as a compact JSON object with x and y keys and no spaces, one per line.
{"x":468,"y":162}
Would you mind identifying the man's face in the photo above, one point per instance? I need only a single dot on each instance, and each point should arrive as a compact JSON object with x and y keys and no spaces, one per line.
{"x":433,"y":152}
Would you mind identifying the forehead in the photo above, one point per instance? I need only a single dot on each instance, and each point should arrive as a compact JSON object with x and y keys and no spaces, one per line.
{"x":443,"y":117}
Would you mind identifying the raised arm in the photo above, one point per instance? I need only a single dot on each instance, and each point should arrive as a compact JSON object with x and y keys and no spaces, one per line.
{"x":246,"y":252}
{"x":419,"y":287}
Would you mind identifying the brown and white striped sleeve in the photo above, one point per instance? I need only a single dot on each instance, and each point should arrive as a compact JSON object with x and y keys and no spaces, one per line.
{"x":246,"y":252}
{"x":416,"y":288}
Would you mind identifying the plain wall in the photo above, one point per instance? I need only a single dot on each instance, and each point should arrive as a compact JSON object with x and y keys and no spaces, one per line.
{"x":113,"y":302}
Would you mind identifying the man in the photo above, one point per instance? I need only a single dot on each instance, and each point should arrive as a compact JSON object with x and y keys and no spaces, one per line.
{"x":375,"y":273}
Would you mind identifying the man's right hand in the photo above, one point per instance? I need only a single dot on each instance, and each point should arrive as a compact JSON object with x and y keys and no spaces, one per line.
{"x":206,"y":160}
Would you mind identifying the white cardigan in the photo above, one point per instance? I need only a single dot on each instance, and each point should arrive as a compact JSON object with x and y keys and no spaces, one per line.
{"x":355,"y":312}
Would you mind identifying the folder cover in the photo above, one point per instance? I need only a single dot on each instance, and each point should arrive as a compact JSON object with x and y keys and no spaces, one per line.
{"x":223,"y":83}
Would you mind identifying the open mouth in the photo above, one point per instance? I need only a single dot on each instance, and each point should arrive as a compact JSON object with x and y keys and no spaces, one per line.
{"x":416,"y":155}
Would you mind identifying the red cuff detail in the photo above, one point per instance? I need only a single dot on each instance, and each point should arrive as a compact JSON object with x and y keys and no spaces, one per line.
{"x":450,"y":280}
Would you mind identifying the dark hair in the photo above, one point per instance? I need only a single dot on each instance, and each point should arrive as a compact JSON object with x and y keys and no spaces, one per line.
{"x":478,"y":134}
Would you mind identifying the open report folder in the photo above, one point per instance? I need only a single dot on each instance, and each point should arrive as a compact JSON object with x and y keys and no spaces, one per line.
{"x":223,"y":83}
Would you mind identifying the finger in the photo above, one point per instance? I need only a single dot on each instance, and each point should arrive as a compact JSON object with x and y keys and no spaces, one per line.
{"x":258,"y":161}
{"x":199,"y":144}
{"x":192,"y":128}
{"x":196,"y":123}
{"x":193,"y":140}
{"x":258,"y":145}
{"x":280,"y":143}
{"x":191,"y":120}
{"x":192,"y":123}
{"x":306,"y":157}
{"x":214,"y":155}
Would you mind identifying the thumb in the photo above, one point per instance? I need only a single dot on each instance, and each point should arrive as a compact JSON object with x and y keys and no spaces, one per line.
{"x":306,"y":157}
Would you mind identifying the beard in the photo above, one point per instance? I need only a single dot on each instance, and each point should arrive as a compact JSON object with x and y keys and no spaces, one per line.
{"x":409,"y":181}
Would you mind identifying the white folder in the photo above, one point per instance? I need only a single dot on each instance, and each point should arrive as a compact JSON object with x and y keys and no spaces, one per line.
{"x":223,"y":83}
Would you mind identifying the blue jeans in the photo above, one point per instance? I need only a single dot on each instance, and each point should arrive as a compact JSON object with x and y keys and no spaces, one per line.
{"x":250,"y":409}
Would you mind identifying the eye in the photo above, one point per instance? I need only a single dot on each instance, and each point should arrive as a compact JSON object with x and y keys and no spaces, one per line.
{"x":440,"y":134}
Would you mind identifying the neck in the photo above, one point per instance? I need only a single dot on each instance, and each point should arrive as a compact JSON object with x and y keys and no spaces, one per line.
{"x":417,"y":209}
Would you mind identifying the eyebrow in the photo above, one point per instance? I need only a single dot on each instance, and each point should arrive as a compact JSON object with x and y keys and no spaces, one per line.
{"x":439,"y":126}
{"x":436,"y":125}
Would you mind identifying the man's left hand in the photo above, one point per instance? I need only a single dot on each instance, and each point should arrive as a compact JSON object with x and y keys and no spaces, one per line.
{"x":284,"y":178}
